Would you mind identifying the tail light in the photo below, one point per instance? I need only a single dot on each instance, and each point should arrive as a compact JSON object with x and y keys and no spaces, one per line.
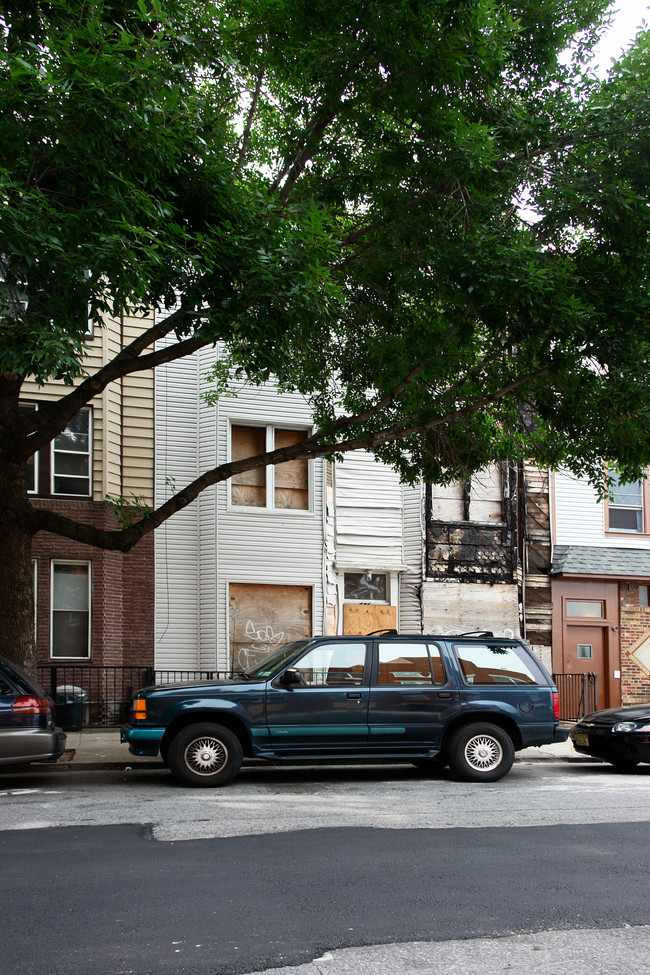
{"x":30,"y":704}
{"x":556,"y":705}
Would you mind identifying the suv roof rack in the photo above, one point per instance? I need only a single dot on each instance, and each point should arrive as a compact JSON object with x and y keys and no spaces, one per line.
{"x":474,"y":633}
{"x":382,"y":633}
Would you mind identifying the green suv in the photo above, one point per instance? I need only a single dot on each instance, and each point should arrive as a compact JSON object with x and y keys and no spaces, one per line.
{"x":468,"y":701}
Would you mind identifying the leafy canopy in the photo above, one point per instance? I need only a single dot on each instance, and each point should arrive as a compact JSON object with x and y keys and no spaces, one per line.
{"x":336,"y":192}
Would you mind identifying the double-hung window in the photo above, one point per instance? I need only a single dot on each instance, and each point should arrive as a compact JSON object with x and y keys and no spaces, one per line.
{"x":283,"y":486}
{"x":31,"y":468}
{"x":71,"y":457}
{"x":70,"y":610}
{"x":66,"y":468}
{"x":626,"y":505}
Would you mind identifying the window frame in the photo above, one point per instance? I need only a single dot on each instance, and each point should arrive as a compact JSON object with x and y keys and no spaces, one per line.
{"x":270,"y":470}
{"x":89,"y":453}
{"x":644,"y":509}
{"x":44,"y":472}
{"x":33,"y":404}
{"x":88,"y":564}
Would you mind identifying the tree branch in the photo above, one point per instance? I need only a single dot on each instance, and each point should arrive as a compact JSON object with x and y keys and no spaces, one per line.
{"x":123,"y":540}
{"x":52,"y":418}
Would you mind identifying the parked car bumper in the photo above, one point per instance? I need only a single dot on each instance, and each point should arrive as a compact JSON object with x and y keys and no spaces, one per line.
{"x":24,"y":745}
{"x":561,"y":733}
{"x":142,"y":741}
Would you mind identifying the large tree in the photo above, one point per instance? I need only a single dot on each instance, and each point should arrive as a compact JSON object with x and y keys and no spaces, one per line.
{"x":413,"y":211}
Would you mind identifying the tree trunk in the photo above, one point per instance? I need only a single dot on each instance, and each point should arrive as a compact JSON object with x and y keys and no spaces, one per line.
{"x":17,"y":641}
{"x":16,"y":589}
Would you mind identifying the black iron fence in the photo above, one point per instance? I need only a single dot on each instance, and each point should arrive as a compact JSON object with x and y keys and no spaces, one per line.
{"x":100,"y":697}
{"x":578,"y":695}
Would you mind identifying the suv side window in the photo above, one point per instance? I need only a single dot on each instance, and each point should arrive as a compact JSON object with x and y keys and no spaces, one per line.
{"x":333,"y":665}
{"x":410,"y":663}
{"x":494,"y":664}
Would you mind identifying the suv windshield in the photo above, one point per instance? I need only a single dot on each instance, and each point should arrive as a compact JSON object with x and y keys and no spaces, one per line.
{"x":275,"y":661}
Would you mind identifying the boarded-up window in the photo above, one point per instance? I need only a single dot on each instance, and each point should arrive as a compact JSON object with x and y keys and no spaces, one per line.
{"x":283,"y":486}
{"x":263,"y":618}
{"x":249,"y":488}
{"x":292,"y":478}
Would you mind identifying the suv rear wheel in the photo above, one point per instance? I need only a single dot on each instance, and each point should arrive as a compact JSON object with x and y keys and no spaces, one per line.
{"x":204,"y":755}
{"x":481,"y":753}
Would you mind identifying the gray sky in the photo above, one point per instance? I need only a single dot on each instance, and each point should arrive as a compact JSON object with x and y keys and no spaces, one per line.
{"x":627,"y":21}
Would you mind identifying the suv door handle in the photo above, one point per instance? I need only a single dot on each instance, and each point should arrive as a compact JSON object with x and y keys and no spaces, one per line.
{"x":445,"y":695}
{"x":354,"y":695}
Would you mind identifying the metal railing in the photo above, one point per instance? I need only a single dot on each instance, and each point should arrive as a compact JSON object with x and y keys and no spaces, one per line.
{"x":578,"y":695}
{"x":89,"y":696}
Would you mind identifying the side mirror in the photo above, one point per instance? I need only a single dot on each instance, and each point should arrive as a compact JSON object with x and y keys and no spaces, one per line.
{"x":290,"y":678}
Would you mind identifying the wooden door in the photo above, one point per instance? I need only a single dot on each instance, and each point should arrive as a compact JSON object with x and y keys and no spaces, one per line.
{"x":585,"y":634}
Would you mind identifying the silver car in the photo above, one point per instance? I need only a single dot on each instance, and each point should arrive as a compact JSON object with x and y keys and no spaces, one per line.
{"x":28,"y":732}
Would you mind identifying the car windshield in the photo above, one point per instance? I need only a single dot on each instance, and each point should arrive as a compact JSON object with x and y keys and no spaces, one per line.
{"x":275,"y":661}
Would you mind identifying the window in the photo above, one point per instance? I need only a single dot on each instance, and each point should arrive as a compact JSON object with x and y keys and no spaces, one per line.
{"x":285,"y":486}
{"x":333,"y":665}
{"x":494,"y":665}
{"x":70,"y":619}
{"x":406,"y":664}
{"x":584,"y":607}
{"x":66,"y":469}
{"x":625,"y":505}
{"x":31,"y":469}
{"x":366,"y":586}
{"x":71,"y":452}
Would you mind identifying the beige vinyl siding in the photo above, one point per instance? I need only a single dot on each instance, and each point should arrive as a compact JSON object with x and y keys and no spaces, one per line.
{"x":123,"y":417}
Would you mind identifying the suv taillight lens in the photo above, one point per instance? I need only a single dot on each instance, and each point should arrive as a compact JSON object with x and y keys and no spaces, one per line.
{"x":556,"y":705}
{"x":30,"y":704}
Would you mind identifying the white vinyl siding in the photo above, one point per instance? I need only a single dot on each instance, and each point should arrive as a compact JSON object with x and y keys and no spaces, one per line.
{"x":368,"y":498}
{"x":210,"y":544}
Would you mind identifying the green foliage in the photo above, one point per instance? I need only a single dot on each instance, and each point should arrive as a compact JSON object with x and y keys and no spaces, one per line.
{"x":128,"y":510}
{"x":335,"y":191}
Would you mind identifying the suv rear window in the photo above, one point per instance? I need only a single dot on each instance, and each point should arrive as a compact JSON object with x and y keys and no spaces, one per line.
{"x":495,"y":664}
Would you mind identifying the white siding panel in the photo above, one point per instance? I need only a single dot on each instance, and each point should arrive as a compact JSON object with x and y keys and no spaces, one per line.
{"x":177,"y":615}
{"x":579,"y":515}
{"x":410,"y":607}
{"x":269,"y":547}
{"x":368,"y":498}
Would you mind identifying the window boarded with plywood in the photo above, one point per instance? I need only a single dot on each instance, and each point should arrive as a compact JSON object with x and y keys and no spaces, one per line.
{"x":264,"y":617}
{"x":248,"y":489}
{"x":291,"y":478}
{"x":284,"y":486}
{"x":362,"y":618}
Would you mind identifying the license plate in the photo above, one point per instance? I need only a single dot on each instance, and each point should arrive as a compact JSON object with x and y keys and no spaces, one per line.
{"x":581,"y":740}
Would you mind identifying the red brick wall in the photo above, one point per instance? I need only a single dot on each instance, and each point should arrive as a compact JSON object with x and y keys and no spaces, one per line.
{"x":122,"y":589}
{"x":635,"y":628}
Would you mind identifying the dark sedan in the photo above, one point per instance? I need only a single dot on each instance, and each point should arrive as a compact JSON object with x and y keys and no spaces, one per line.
{"x":27,"y":728}
{"x":620,"y":736}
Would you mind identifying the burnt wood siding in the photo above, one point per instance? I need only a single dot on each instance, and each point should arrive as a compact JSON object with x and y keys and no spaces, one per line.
{"x":472,"y":551}
{"x":536,"y":538}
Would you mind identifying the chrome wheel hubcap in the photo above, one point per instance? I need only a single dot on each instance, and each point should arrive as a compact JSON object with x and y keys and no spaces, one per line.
{"x":483,"y":753}
{"x":206,"y":756}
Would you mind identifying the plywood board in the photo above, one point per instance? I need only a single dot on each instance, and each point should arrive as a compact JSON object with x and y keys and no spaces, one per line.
{"x":362,"y":618}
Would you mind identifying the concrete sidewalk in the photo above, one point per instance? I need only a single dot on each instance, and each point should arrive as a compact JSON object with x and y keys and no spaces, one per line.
{"x":100,"y":748}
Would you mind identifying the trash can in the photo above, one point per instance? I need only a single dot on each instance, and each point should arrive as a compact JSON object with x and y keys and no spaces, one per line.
{"x":69,"y":706}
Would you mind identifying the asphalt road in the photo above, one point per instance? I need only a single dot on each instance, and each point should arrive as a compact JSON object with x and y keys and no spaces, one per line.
{"x":321,"y":868}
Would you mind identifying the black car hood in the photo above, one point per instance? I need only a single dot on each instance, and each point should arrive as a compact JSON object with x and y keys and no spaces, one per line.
{"x":633,"y":712}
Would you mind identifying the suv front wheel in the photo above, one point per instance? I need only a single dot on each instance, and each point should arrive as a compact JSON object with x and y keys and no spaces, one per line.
{"x":481,"y":753}
{"x":204,"y":755}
